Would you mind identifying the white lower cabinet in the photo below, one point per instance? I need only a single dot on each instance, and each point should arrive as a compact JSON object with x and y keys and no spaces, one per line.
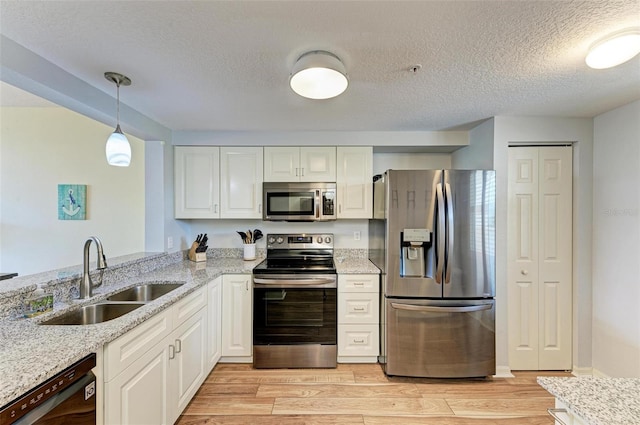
{"x":152,"y":372}
{"x":214,"y":342}
{"x":237,"y":335}
{"x":358,"y":318}
{"x":564,"y":416}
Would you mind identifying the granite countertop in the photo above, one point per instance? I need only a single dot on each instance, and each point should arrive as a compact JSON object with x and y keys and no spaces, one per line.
{"x":355,"y":266}
{"x":32,"y":353}
{"x":598,"y":401}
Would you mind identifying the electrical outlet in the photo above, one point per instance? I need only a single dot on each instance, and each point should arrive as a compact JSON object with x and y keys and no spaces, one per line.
{"x":356,"y":236}
{"x":169,"y":242}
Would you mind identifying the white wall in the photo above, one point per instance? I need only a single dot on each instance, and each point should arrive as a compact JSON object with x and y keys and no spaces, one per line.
{"x":479,"y":154}
{"x":616,"y":242}
{"x":410,"y":161}
{"x":578,"y":131}
{"x":43,"y":147}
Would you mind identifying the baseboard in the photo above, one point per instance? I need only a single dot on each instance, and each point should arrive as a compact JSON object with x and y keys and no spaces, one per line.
{"x":582,"y":371}
{"x":599,"y":374}
{"x":503,"y":372}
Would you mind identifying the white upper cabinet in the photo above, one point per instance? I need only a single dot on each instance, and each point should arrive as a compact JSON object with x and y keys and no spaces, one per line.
{"x":304,"y":164}
{"x":241,"y":170}
{"x":354,"y":181}
{"x":197,"y":175}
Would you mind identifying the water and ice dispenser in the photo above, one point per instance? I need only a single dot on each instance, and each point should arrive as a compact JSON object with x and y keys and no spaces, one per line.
{"x":415,"y":243}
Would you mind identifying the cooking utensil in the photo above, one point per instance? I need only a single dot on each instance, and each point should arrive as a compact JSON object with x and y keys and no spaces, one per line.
{"x":242,"y":235}
{"x":257,"y":235}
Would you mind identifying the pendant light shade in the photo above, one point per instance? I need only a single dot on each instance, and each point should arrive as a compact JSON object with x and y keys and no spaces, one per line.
{"x":318,"y":75}
{"x":118,"y":149}
{"x":614,"y":49}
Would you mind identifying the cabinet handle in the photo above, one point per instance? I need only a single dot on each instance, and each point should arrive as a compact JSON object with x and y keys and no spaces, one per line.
{"x":178,"y":345}
{"x":339,"y":208}
{"x":524,"y":272}
{"x":358,"y":309}
{"x":260,"y":208}
{"x":358,"y":283}
{"x":358,"y":341}
{"x":554,"y":414}
{"x":302,"y":172}
{"x":215,"y":208}
{"x":297,"y":172}
{"x":172,"y":352}
{"x":246,"y":286}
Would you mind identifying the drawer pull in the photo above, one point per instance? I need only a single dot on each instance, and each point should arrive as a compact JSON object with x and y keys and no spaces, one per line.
{"x":172,"y":352}
{"x":554,"y":414}
{"x":358,"y":308}
{"x":358,"y":283}
{"x":178,"y":346}
{"x":358,"y":341}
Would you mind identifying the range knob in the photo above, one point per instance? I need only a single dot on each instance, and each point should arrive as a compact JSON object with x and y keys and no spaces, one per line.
{"x":327,"y":239}
{"x":271,"y":239}
{"x":319,"y":239}
{"x":280,"y":239}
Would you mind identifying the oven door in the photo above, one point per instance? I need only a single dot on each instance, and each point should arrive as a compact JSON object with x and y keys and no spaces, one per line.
{"x":295,"y":310}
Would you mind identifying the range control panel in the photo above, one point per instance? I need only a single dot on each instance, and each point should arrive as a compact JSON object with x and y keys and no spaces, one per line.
{"x":32,"y":399}
{"x":300,"y":241}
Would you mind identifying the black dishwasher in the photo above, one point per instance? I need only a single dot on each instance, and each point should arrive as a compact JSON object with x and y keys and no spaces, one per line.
{"x":68,"y":398}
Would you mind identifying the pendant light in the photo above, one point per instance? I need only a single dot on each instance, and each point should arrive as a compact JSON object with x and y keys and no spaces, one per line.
{"x":614,"y":49}
{"x":318,"y":75}
{"x":118,"y":149}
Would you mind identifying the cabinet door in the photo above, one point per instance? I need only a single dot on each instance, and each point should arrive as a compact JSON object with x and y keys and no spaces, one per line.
{"x":281,"y":164}
{"x":354,"y":180}
{"x":214,"y":333}
{"x":237,"y":315}
{"x":139,"y":395}
{"x":241,"y":182}
{"x":317,"y":164}
{"x":196,"y":178}
{"x":188,"y":364}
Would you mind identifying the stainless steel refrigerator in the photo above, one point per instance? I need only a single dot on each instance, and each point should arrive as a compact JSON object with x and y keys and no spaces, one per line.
{"x":433,"y":238}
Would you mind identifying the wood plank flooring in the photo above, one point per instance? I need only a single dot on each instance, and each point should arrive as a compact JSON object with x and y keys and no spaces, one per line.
{"x":361,"y":394}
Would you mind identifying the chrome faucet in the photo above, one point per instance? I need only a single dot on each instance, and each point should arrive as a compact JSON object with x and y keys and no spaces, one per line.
{"x":86,"y":286}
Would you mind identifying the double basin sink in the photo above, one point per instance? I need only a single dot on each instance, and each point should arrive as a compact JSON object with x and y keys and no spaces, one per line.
{"x":115,"y":305}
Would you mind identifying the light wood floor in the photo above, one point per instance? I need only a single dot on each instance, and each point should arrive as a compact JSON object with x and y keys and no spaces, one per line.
{"x":362,"y":394}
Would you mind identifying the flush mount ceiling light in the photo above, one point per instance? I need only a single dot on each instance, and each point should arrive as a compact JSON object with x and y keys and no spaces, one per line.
{"x":118,"y":149}
{"x":318,"y":75}
{"x":615,"y":49}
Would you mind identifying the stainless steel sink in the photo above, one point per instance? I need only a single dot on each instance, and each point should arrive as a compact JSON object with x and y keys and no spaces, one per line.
{"x":145,"y":292}
{"x":93,"y":313}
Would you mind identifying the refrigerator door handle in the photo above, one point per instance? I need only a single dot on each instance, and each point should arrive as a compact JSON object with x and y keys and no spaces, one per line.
{"x":449,"y":249}
{"x":444,"y":309}
{"x":441,"y":224}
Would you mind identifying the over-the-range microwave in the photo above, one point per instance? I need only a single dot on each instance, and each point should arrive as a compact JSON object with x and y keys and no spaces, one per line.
{"x":299,"y":201}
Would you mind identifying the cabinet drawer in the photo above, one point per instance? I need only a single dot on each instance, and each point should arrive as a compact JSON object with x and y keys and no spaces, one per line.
{"x":123,"y":351}
{"x":356,"y":307}
{"x":358,"y":340}
{"x":187,"y":306}
{"x":358,"y":283}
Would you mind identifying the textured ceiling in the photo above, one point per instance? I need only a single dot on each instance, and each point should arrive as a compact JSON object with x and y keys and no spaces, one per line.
{"x":224,"y":65}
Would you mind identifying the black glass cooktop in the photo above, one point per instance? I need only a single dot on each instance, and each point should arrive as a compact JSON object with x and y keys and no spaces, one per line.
{"x":296,"y":266}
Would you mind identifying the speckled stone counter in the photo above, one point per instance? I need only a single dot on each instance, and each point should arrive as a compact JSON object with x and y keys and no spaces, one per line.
{"x":31,"y":353}
{"x":355,"y":266}
{"x":598,"y":401}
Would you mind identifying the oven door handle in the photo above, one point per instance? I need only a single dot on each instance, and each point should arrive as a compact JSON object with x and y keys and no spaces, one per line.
{"x":297,"y":282}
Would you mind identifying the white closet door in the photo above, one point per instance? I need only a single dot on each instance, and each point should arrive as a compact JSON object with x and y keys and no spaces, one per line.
{"x":540,"y":258}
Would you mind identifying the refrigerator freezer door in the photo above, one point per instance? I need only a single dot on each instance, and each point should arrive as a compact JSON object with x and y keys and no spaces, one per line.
{"x":439,"y":339}
{"x":471,"y":234}
{"x":410,"y":197}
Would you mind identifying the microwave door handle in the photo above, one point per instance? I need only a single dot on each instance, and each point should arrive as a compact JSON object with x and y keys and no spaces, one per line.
{"x":444,"y":309}
{"x":441,"y":227}
{"x":450,"y":235}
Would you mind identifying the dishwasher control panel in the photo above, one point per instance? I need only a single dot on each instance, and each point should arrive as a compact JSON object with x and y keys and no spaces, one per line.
{"x":38,"y":395}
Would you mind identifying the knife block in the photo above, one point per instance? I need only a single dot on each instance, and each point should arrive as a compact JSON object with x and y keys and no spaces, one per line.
{"x":196,"y":256}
